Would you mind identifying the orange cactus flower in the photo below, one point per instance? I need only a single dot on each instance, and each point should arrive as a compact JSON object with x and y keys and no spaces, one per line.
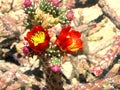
{"x":38,"y":38}
{"x":69,"y":40}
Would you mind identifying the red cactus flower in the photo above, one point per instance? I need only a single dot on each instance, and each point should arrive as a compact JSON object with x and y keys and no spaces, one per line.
{"x":69,"y":40}
{"x":38,"y":38}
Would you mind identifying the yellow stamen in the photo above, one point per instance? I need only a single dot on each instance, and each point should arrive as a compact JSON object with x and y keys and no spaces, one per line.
{"x":68,"y":36}
{"x":72,"y":47}
{"x":39,"y":37}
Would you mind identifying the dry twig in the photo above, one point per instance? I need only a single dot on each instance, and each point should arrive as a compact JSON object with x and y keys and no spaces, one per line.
{"x":109,"y":12}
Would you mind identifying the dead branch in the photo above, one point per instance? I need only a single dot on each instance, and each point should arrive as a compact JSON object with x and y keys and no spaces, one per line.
{"x":112,"y":84}
{"x":90,"y":27}
{"x":109,"y":12}
{"x":13,"y":75}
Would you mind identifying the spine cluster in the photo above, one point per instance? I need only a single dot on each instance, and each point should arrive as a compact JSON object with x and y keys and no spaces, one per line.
{"x":47,"y":15}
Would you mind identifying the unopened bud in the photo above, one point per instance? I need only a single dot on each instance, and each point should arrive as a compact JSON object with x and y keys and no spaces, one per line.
{"x":55,"y":3}
{"x":27,"y":3}
{"x":70,"y":15}
{"x":26,"y":50}
{"x":55,"y":68}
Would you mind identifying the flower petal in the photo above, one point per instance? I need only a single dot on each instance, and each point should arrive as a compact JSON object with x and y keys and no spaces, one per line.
{"x":75,"y":34}
{"x":38,"y":38}
{"x":69,"y":40}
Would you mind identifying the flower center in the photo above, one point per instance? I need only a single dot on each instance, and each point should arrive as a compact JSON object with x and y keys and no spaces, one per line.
{"x":73,"y":47}
{"x":39,"y":37}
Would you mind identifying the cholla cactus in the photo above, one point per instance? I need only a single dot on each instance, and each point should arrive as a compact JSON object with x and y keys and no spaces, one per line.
{"x":46,"y":20}
{"x":49,"y":8}
{"x":48,"y":14}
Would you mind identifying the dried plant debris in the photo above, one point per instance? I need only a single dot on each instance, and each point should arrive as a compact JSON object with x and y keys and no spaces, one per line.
{"x":87,"y":70}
